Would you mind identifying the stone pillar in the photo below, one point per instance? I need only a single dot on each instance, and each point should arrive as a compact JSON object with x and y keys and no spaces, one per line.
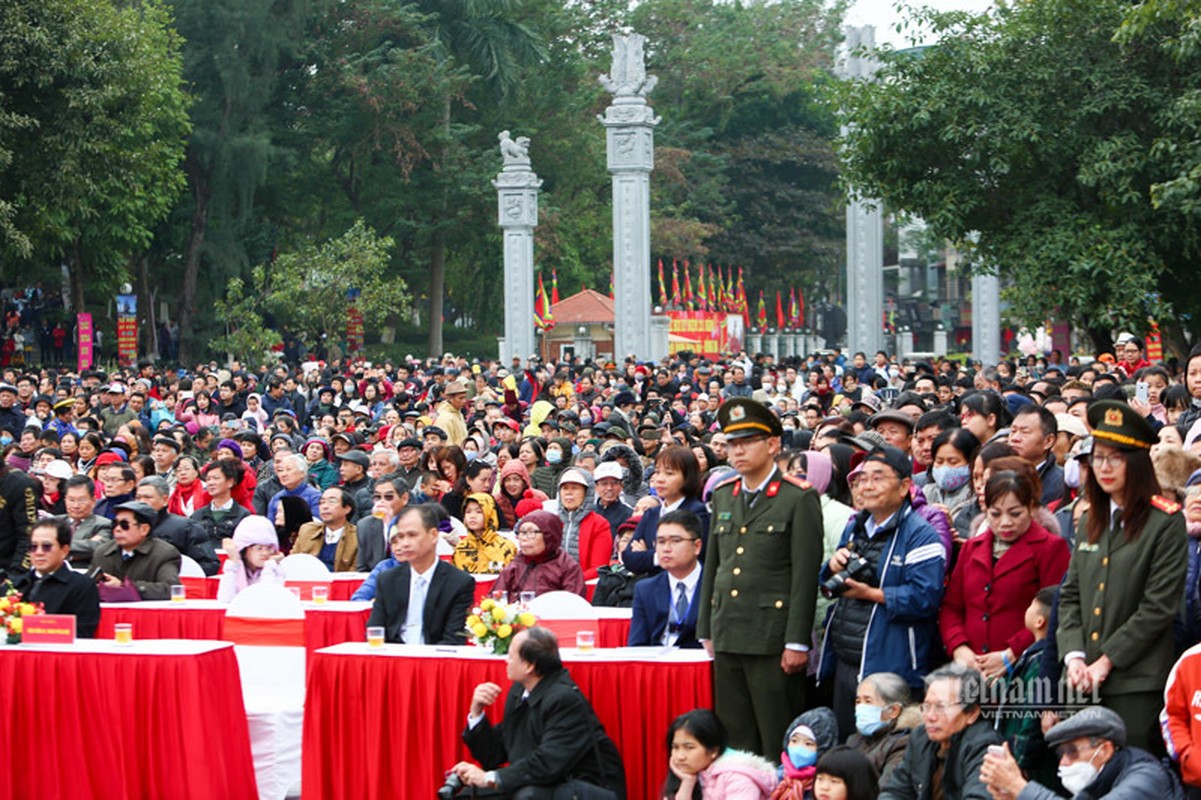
{"x":986,"y":318}
{"x":630,"y":138}
{"x":660,"y":339}
{"x":865,"y":227}
{"x":517,"y":209}
{"x":940,"y":340}
{"x":582,"y":341}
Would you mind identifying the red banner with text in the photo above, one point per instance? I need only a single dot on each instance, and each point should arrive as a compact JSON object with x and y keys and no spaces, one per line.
{"x":702,"y":332}
{"x":354,"y":329}
{"x":83,"y":325}
{"x":127,"y":329}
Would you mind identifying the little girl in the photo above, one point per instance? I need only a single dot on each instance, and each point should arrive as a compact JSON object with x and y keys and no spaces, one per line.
{"x":482,"y":550}
{"x":253,"y":558}
{"x":844,"y":774}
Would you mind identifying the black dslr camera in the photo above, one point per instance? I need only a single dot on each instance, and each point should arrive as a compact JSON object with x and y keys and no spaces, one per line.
{"x":451,"y":787}
{"x":857,"y":569}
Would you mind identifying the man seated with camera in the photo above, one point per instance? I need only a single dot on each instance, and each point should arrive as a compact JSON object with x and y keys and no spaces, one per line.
{"x":550,"y":737}
{"x":887,"y":576}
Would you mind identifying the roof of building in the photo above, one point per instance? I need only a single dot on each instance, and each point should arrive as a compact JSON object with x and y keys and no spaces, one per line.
{"x":586,"y":306}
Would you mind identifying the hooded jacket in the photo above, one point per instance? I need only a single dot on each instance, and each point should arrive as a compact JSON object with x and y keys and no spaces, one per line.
{"x":546,"y":477}
{"x":631,"y":484}
{"x":236,"y":576}
{"x":551,"y":570}
{"x":797,"y":783}
{"x":587,"y":536}
{"x":736,"y":775}
{"x":478,"y":553}
{"x":506,"y":505}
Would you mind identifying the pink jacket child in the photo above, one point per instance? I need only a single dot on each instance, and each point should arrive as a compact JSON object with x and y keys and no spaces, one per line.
{"x":253,"y":558}
{"x":737,"y":775}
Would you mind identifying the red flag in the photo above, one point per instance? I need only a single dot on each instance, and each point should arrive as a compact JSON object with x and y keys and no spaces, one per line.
{"x":662,"y":286}
{"x":794,"y":311}
{"x":800,"y":317}
{"x":611,"y":294}
{"x":744,"y":305}
{"x":676,"y":301}
{"x":543,"y":317}
{"x":761,"y":317}
{"x":779,"y":312}
{"x":702,"y":294}
{"x":687,"y":288}
{"x":554,"y":286}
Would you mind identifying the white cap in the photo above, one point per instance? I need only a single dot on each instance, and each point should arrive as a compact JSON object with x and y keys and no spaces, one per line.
{"x":59,"y":469}
{"x":609,"y":469}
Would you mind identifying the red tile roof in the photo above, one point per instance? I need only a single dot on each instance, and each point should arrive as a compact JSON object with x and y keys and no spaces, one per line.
{"x":585,"y":307}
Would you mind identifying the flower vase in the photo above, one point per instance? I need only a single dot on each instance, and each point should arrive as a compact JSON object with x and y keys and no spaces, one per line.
{"x":500,"y":647}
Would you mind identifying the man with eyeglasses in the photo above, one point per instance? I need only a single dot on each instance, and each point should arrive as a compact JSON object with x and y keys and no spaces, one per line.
{"x":388,"y":498}
{"x":947,"y":750}
{"x":885,"y":618}
{"x":151,"y":565}
{"x":759,"y":584}
{"x":665,"y":607}
{"x":1094,"y":762}
{"x":51,"y":581}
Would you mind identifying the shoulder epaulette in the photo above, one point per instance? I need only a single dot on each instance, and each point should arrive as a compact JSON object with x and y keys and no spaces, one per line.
{"x":736,"y":479}
{"x":1164,"y":504}
{"x":801,"y":482}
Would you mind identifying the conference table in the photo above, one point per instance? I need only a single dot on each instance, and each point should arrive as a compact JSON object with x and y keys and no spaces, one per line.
{"x":148,"y":719}
{"x":324,"y":624}
{"x":386,"y":722}
{"x":341,"y":585}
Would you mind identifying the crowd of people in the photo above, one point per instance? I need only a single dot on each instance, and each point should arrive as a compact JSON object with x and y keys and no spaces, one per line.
{"x":916,"y":580}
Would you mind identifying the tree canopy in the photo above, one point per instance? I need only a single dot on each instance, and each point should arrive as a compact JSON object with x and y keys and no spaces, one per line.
{"x":1038,"y":129}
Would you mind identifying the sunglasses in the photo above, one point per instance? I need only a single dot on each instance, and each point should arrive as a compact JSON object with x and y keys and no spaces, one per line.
{"x":123,"y":524}
{"x":42,"y":547}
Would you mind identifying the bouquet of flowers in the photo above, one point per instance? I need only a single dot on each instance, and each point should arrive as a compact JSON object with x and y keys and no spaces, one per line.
{"x":493,"y":624}
{"x":12,"y":610}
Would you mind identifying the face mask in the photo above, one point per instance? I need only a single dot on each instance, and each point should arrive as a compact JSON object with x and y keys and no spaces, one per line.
{"x":867,"y":719}
{"x":801,"y":756}
{"x":1076,"y":777}
{"x":554,"y":457}
{"x":5,"y":441}
{"x":1071,"y":473}
{"x":951,"y":479}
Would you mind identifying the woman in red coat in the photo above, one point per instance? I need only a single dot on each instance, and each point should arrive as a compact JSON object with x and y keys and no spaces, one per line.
{"x":982,"y":619}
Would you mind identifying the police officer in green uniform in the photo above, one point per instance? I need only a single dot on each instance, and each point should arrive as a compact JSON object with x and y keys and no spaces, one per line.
{"x":1125,"y":582}
{"x":759,"y":587}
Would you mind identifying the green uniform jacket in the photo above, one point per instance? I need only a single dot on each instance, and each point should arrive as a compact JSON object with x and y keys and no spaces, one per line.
{"x":759,"y":588}
{"x":1119,"y":599}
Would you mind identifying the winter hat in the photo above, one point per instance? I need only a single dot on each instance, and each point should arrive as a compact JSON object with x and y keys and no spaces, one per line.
{"x":821,"y":725}
{"x":255,"y":530}
{"x":528,"y":504}
{"x":232,"y":446}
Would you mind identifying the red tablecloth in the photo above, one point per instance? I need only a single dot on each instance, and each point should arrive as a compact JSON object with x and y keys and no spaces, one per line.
{"x":613,"y":631}
{"x":365,"y":708}
{"x":161,"y":719}
{"x":324,"y":624}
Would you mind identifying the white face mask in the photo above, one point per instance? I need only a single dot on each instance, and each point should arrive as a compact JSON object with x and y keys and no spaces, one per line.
{"x":1071,"y":473}
{"x":1076,"y":777}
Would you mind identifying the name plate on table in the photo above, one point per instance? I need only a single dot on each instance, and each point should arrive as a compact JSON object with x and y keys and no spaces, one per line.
{"x":49,"y":629}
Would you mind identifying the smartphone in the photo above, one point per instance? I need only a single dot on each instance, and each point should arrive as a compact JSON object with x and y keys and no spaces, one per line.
{"x":996,"y":750}
{"x":1142,"y":392}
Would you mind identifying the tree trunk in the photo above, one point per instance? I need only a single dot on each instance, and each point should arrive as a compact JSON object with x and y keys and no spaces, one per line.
{"x":75,"y":270}
{"x":149,"y":326}
{"x":1101,"y":338}
{"x":438,"y":246}
{"x":187,"y":297}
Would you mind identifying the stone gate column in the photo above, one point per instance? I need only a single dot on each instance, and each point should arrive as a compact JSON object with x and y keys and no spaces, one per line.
{"x":517,"y":209}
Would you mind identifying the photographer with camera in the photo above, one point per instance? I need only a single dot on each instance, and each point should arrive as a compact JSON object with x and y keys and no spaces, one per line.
{"x":887,"y":576}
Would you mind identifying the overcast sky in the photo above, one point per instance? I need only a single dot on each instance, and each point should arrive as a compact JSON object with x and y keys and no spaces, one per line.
{"x":884,"y":15}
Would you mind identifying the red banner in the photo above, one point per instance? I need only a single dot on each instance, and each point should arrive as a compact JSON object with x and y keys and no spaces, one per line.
{"x":1154,"y":342}
{"x":702,"y":332}
{"x":354,"y":329}
{"x":127,"y":329}
{"x":83,"y":325}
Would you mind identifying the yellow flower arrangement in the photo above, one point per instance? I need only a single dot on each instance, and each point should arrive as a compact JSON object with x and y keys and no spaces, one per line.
{"x":12,"y":609}
{"x":493,"y":624}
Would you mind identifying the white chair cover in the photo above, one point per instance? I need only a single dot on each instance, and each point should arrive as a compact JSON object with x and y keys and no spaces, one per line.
{"x":304,"y":567}
{"x":562,"y":605}
{"x":265,"y":601}
{"x":188,"y":568}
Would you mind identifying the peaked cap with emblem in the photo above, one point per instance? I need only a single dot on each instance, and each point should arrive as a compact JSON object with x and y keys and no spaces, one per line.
{"x":742,"y":417}
{"x":1116,"y":423}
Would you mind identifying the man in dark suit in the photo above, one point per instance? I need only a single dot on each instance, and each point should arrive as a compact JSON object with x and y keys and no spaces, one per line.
{"x":424,"y":600}
{"x":665,"y":606}
{"x":181,"y":533}
{"x":550,"y":737}
{"x":390,"y":495}
{"x":150,"y":564}
{"x":89,"y":530}
{"x":53,"y":583}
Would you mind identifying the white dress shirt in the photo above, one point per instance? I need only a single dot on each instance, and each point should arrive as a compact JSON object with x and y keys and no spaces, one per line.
{"x":689,"y":583}
{"x":413,"y":631}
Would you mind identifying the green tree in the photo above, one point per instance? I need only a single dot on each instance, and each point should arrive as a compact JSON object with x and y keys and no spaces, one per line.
{"x":1035,"y":128}
{"x":310,"y":289}
{"x":247,"y":337}
{"x":92,"y":125}
{"x":232,"y":60}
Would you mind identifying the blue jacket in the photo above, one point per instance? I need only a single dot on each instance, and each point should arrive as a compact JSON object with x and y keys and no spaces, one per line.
{"x":309,"y":493}
{"x":653,"y":611}
{"x":902,"y":631}
{"x":643,"y":563}
{"x":367,"y":590}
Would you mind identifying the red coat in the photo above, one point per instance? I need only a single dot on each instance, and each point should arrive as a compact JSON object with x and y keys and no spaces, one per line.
{"x":596,"y":544}
{"x":985,"y":603}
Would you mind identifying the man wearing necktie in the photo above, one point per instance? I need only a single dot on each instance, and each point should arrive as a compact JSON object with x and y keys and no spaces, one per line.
{"x":759,"y":585}
{"x":51,"y":582}
{"x":423,"y":600}
{"x":665,"y":606}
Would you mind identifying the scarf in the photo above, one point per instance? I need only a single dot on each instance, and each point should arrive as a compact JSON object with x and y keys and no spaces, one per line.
{"x":805,"y":775}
